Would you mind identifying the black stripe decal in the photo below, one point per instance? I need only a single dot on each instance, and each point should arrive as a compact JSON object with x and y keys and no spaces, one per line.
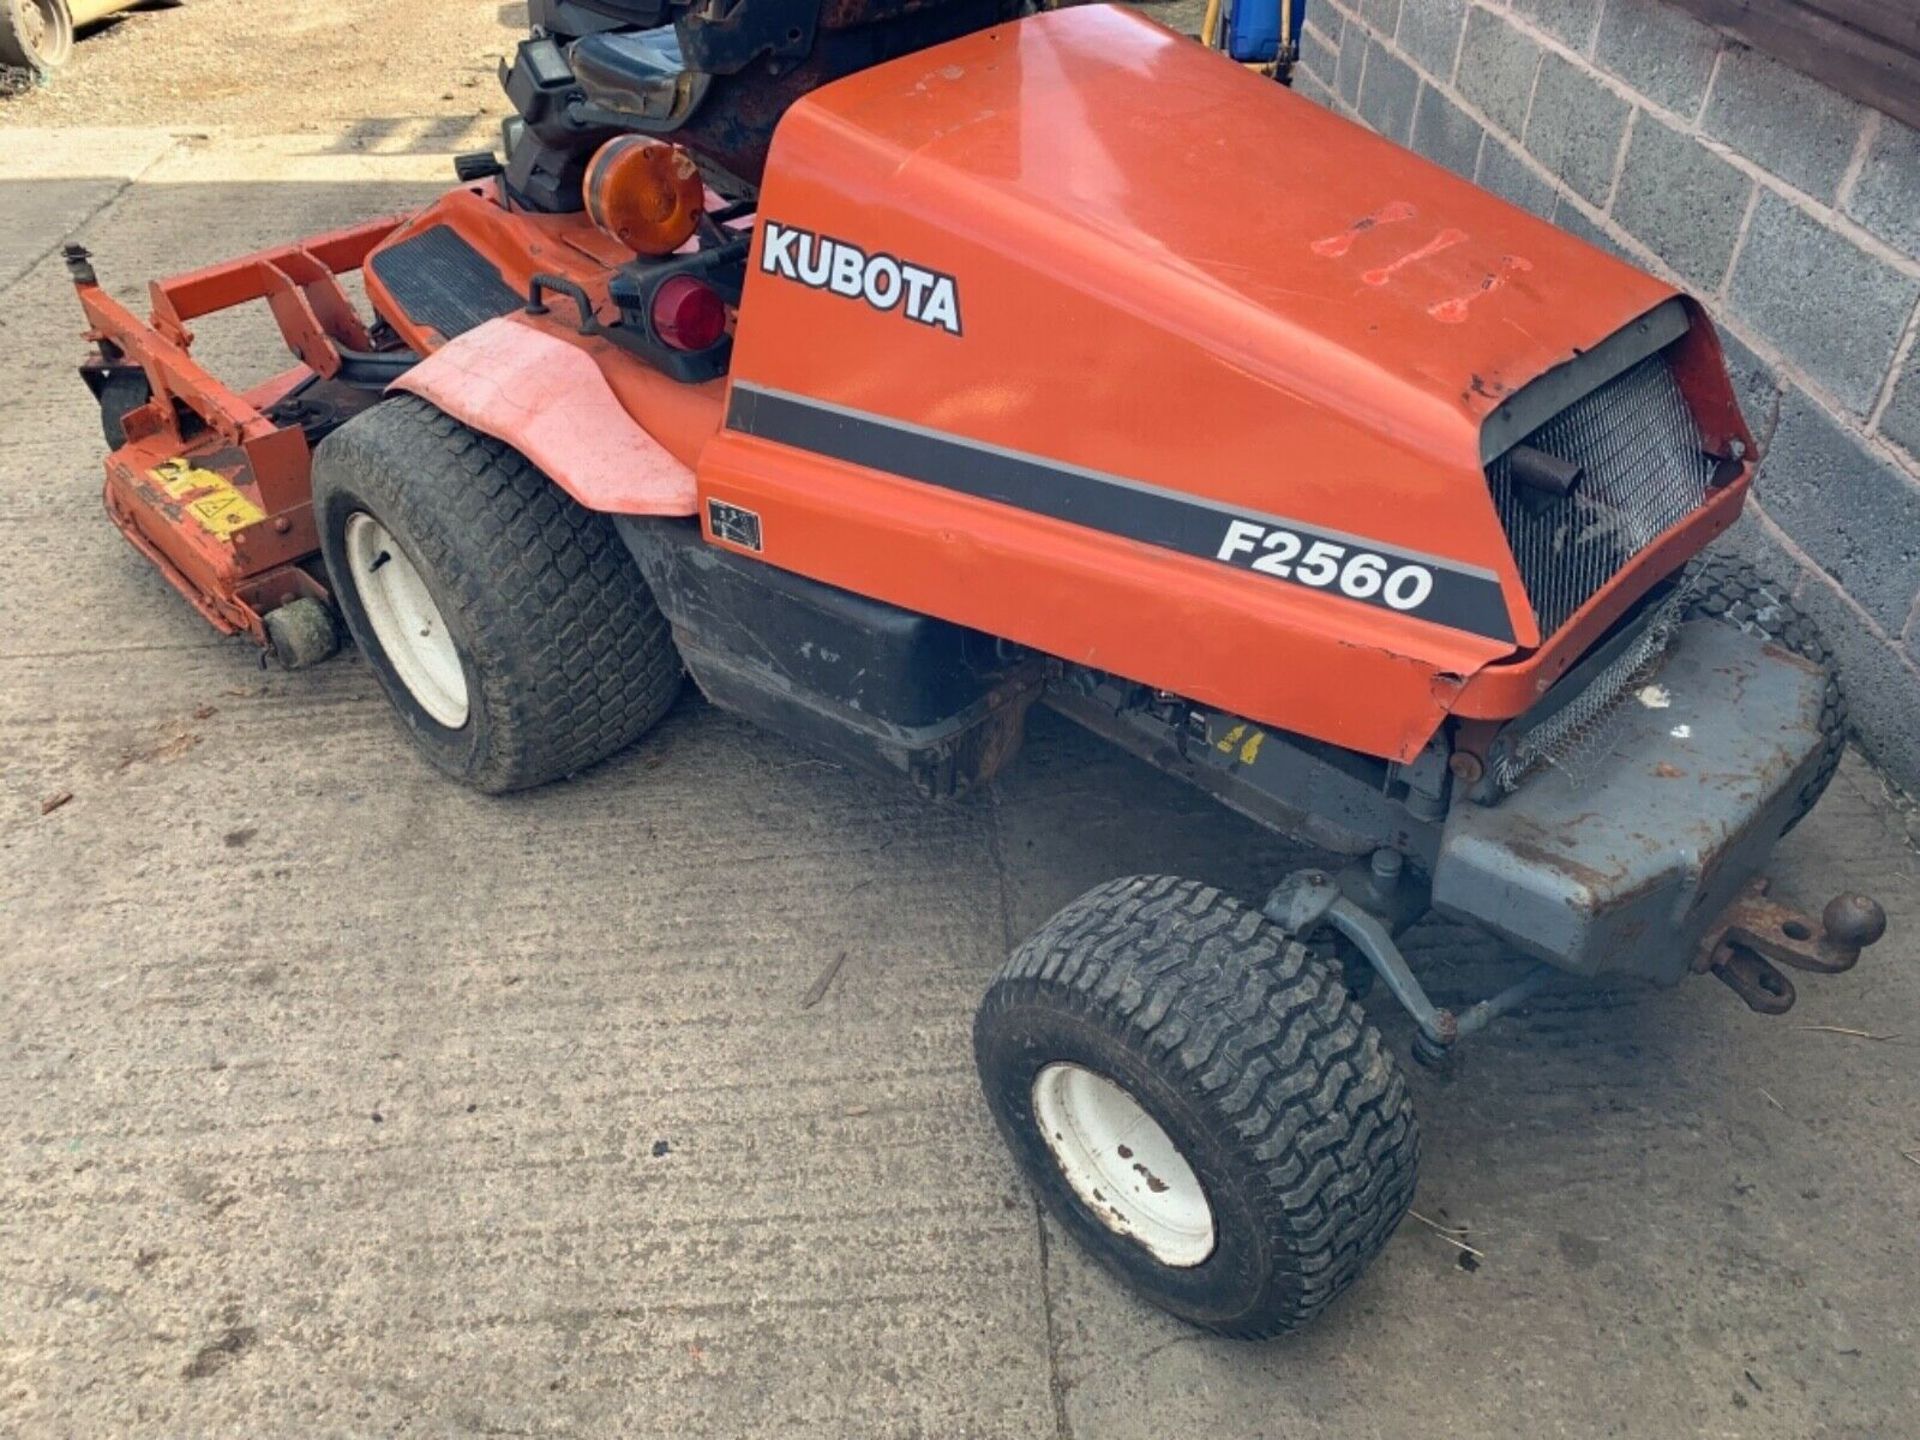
{"x":1458,"y":596}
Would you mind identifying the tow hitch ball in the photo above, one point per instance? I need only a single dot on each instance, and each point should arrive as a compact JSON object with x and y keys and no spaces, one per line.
{"x":1755,"y":934}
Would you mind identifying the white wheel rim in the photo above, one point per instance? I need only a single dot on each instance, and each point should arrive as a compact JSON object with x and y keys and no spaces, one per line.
{"x":406,"y":621}
{"x":1124,"y":1167}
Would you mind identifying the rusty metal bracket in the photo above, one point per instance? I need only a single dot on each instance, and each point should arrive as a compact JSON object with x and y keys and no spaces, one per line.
{"x":1786,"y":936}
{"x":1764,"y":989}
{"x":1754,"y":931}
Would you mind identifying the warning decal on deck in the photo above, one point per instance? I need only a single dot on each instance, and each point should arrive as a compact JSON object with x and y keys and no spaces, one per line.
{"x":212,"y":499}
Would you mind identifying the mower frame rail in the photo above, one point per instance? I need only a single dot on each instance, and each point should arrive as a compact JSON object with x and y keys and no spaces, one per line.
{"x":211,"y":484}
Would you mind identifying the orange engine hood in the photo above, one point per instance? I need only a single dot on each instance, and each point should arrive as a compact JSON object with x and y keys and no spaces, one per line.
{"x":1167,"y":269}
{"x":1153,"y":175}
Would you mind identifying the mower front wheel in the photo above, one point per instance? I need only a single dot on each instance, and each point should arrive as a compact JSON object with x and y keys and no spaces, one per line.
{"x":1197,"y":1100}
{"x":122,"y":391}
{"x":301,"y":633}
{"x":508,"y":625}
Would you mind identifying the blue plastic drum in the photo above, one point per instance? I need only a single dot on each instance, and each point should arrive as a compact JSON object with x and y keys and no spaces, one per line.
{"x":1253,"y":28}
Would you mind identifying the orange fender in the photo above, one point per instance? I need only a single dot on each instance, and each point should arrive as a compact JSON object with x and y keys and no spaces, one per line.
{"x":549,"y":400}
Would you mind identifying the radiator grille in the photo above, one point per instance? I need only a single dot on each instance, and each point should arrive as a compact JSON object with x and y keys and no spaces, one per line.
{"x":1640,"y":449}
{"x":1579,"y":732}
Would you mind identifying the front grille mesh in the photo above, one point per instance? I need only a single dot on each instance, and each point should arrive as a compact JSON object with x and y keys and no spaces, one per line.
{"x":1639,"y":447}
{"x":1580,"y":731}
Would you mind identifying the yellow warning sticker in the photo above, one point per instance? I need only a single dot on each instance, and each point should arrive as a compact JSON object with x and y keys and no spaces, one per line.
{"x":211,"y":498}
{"x":180,"y":479}
{"x":1246,"y":738}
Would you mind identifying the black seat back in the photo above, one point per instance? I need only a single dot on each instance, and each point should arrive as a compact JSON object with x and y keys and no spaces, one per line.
{"x":570,"y":19}
{"x":738,"y":73}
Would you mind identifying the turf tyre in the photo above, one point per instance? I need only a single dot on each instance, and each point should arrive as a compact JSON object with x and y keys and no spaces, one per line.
{"x":565,"y":656}
{"x":1249,"y":1054}
{"x":123,"y":392}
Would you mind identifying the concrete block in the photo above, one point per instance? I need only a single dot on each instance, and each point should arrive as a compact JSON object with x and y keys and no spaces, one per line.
{"x":1682,"y":200}
{"x":1857,"y":515}
{"x":1305,"y":84}
{"x":1570,"y":218}
{"x":1430,"y":34}
{"x":1445,"y":133}
{"x":1497,"y":65}
{"x":1575,"y":127}
{"x":1388,"y":93}
{"x":1319,"y":57}
{"x":1382,"y":15}
{"x":1883,"y":690}
{"x":1660,"y":51}
{"x":1353,"y":61}
{"x":1504,"y":173}
{"x":1886,"y":198}
{"x":1781,"y":119}
{"x":1570,"y":22}
{"x":1755,"y":386}
{"x":1900,"y":421}
{"x":1831,"y":308}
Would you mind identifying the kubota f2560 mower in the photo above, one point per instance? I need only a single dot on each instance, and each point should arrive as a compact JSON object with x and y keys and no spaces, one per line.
{"x":893,"y":368}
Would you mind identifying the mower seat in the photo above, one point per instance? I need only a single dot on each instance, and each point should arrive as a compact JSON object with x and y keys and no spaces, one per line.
{"x":638,"y":73}
{"x":719,"y":85}
{"x":567,"y":19}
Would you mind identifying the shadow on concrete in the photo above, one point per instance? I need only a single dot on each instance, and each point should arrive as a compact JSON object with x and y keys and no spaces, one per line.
{"x":416,"y":135}
{"x":168,"y":230}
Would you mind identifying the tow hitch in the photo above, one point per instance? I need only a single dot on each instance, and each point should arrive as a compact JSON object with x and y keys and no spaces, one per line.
{"x":1755,"y":933}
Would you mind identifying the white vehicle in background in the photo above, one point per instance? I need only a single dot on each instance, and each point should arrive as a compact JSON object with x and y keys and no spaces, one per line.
{"x":37,"y":35}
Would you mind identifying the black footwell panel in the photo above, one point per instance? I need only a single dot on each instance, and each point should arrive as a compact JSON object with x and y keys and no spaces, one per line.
{"x":442,"y":281}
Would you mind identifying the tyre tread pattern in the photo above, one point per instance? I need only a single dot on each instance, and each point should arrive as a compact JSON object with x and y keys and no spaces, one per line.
{"x":1728,"y":588}
{"x":1265,"y":1038}
{"x":576,"y":659}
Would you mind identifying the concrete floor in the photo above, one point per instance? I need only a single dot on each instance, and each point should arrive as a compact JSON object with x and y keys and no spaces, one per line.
{"x":346,"y":1102}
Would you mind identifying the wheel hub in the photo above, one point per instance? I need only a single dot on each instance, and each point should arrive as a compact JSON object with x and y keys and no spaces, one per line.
{"x":406,"y":620}
{"x":44,"y":31}
{"x":1123,"y":1165}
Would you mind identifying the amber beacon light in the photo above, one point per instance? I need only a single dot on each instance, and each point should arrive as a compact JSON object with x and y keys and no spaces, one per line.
{"x":645,"y":193}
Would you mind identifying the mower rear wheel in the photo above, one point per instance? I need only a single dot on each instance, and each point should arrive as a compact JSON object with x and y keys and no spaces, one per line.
{"x":508,"y":625}
{"x":35,"y":35}
{"x":1197,"y":1100}
{"x":1731,"y":590}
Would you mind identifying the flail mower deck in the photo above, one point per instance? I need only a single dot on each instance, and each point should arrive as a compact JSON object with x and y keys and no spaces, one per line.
{"x":890,"y":373}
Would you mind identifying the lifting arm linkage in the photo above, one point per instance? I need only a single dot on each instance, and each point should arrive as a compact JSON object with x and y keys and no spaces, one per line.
{"x":312,"y":310}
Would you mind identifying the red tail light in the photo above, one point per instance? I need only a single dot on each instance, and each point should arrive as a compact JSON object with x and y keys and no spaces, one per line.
{"x":688,"y":314}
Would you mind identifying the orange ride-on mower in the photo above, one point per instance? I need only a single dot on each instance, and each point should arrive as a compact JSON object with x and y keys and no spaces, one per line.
{"x":891,"y":369}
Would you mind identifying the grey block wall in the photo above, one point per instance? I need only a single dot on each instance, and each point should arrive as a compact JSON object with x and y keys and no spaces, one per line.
{"x":1790,"y":210}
